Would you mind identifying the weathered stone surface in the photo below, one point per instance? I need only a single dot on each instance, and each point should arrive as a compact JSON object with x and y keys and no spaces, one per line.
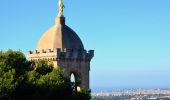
{"x":62,"y":46}
{"x":60,"y":36}
{"x":69,"y":60}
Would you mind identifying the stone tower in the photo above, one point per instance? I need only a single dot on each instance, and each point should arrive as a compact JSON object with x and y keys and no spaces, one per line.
{"x":62,"y":46}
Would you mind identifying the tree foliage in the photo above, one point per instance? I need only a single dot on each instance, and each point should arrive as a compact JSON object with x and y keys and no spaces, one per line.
{"x":20,"y":81}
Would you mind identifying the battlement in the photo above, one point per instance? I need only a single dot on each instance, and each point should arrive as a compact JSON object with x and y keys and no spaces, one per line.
{"x":61,"y":54}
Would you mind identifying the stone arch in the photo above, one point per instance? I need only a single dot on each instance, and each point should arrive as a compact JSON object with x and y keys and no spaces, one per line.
{"x":77,"y":78}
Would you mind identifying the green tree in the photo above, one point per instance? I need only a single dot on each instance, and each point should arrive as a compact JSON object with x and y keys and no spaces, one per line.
{"x":43,"y":67}
{"x":7,"y":84}
{"x":13,"y":66}
{"x":20,"y":81}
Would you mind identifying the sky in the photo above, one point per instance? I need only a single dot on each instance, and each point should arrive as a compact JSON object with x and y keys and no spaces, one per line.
{"x":131,"y":38}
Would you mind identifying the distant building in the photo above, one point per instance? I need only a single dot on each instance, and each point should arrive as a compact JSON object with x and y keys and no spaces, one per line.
{"x":61,"y":46}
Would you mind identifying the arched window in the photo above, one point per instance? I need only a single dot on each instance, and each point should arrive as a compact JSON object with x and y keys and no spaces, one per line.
{"x":73,"y":81}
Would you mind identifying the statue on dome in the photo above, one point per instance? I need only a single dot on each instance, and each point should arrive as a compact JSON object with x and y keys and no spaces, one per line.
{"x":61,"y":7}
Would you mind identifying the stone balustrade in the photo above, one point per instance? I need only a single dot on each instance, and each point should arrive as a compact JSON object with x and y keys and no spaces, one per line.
{"x":61,"y":54}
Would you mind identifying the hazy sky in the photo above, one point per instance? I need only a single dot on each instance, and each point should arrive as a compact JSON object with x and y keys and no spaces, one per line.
{"x":131,"y":38}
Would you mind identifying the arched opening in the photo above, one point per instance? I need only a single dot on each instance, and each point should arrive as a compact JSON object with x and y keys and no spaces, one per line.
{"x":75,"y":82}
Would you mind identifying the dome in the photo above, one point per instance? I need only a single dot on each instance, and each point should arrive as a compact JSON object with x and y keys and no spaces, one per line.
{"x":60,"y":36}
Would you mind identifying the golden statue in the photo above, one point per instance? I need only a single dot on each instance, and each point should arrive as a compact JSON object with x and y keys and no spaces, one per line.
{"x":61,"y":7}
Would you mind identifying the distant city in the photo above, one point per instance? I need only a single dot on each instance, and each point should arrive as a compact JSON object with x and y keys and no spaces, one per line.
{"x":133,"y":94}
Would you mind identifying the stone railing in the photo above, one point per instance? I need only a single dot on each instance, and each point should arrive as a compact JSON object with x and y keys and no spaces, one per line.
{"x":61,"y":54}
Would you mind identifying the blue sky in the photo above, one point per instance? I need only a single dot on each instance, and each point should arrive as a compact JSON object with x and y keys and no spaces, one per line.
{"x":131,"y":38}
